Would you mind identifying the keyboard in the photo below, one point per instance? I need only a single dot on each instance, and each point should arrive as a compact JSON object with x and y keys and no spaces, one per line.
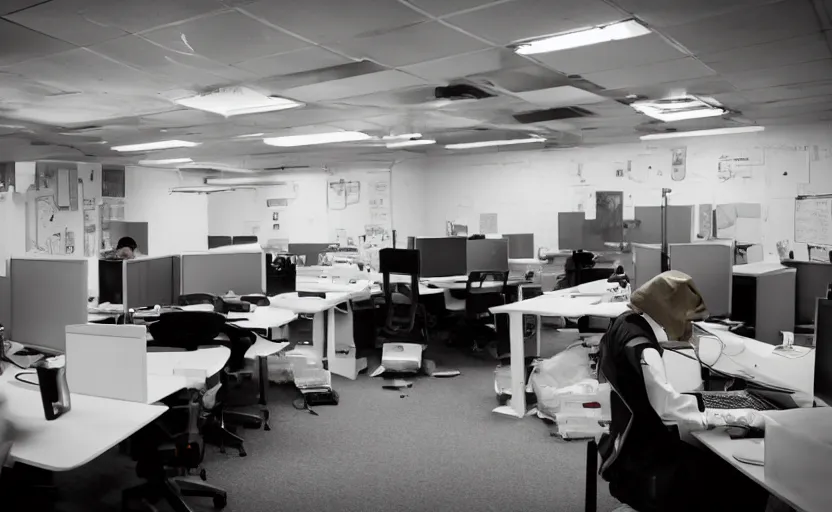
{"x":735,"y":400}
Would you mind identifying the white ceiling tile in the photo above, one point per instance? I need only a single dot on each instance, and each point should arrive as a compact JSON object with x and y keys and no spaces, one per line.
{"x":785,"y":75}
{"x":789,"y":92}
{"x":87,"y":108}
{"x":528,"y":78}
{"x":769,"y":55}
{"x":704,"y":86}
{"x":637,"y":51}
{"x":10,"y":6}
{"x":354,"y":86}
{"x":326,"y":21}
{"x":18,"y":44}
{"x":663,"y":13}
{"x":763,"y":24}
{"x":561,"y":97}
{"x":353,"y":69}
{"x":444,"y":7}
{"x":297,"y":61}
{"x":66,"y":20}
{"x":460,"y":66}
{"x":668,"y":71}
{"x":228,"y":37}
{"x":411,"y":45}
{"x":186,"y":71}
{"x":524,"y":19}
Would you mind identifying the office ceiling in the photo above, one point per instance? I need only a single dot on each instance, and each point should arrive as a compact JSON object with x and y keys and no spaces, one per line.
{"x":77,"y":73}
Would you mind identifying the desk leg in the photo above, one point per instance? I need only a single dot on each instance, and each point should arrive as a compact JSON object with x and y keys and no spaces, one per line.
{"x":591,"y":498}
{"x":263,"y":365}
{"x":539,"y":324}
{"x":330,"y":338}
{"x":319,"y":334}
{"x":518,"y":367}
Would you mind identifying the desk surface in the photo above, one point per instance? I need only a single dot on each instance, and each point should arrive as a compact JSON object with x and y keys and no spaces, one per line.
{"x":308,"y":305}
{"x":718,"y":442}
{"x":209,"y":360}
{"x":264,"y":318}
{"x":264,"y":348}
{"x":90,"y":428}
{"x":564,"y":306}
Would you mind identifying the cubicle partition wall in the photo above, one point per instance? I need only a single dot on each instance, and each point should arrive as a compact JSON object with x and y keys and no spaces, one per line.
{"x":47,"y":294}
{"x":111,"y":281}
{"x":813,"y":280}
{"x":309,"y":252}
{"x":487,"y":255}
{"x":520,"y":245}
{"x":648,"y":229}
{"x":711,"y":265}
{"x":443,"y":257}
{"x":647,"y":263}
{"x":221,"y":272}
{"x":150,"y":282}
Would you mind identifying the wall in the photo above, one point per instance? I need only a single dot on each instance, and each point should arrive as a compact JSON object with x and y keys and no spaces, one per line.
{"x":176,"y":222}
{"x":527,"y":189}
{"x":409,"y":200}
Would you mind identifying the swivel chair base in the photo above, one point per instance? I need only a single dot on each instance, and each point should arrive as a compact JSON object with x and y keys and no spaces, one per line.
{"x":173,"y":491}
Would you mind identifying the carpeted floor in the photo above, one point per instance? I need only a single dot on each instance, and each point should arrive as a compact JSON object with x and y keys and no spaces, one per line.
{"x":439,"y":448}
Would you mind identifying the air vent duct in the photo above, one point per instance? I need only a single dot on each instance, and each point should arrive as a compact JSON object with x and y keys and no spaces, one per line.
{"x":552,"y":114}
{"x":461,"y":92}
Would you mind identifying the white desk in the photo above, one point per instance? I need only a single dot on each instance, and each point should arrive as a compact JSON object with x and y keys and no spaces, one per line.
{"x":90,"y":428}
{"x":552,"y":305}
{"x":259,"y":352}
{"x":718,"y":442}
{"x":207,"y":361}
{"x":267,"y":319}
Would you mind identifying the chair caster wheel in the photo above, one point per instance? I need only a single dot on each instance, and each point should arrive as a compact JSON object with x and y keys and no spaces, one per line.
{"x":203,"y":475}
{"x":243,"y":453}
{"x":220,"y":502}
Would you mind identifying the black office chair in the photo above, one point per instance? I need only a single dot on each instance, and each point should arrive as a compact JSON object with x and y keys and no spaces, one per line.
{"x":404,"y":317}
{"x":483,"y":291}
{"x":171,"y":444}
{"x":189,"y":330}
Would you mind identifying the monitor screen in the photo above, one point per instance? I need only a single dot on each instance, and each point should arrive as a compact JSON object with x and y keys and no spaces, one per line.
{"x":443,"y":257}
{"x":813,"y":278}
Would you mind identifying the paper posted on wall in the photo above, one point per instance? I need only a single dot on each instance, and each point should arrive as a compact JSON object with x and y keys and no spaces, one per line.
{"x":488,"y":223}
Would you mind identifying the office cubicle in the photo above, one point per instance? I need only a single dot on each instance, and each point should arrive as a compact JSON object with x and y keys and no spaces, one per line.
{"x":812,"y":282}
{"x":220,"y":272}
{"x":487,"y":255}
{"x":711,"y":265}
{"x":648,"y":229}
{"x":520,"y":245}
{"x":111,"y":281}
{"x":47,"y":294}
{"x":443,"y":256}
{"x":150,"y":282}
{"x":647,"y":263}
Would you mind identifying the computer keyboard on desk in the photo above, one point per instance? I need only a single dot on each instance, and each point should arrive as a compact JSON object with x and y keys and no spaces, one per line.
{"x":735,"y":400}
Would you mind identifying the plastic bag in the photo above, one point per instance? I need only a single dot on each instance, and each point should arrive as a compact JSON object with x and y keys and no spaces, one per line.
{"x":551,"y":378}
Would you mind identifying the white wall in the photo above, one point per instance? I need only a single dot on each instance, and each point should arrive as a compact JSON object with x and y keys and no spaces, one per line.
{"x":527,"y":189}
{"x":410,"y":200}
{"x":176,"y":222}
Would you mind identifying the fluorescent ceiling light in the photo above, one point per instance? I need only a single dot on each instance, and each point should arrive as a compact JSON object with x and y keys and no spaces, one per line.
{"x":236,"y":101}
{"x":703,"y":133}
{"x":488,"y":143}
{"x":264,"y":181}
{"x":200,"y":189}
{"x":408,"y":143}
{"x":403,"y":136}
{"x":318,"y":138}
{"x":677,"y":109}
{"x":150,"y":146}
{"x":586,"y":37}
{"x":250,"y":135}
{"x":166,"y":161}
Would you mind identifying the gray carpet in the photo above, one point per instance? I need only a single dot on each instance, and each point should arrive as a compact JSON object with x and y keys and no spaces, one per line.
{"x":438,"y":448}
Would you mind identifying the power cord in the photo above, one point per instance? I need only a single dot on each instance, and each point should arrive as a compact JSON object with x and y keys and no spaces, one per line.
{"x":18,"y":375}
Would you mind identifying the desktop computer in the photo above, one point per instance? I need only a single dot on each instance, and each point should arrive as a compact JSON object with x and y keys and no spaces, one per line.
{"x":443,"y":257}
{"x":823,"y":351}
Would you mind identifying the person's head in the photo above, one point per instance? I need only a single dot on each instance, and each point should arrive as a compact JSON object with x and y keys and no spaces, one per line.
{"x":672,"y":300}
{"x":126,"y":248}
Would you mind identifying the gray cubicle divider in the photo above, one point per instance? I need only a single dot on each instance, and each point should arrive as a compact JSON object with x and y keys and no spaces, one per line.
{"x":487,"y":254}
{"x":571,"y":230}
{"x":711,"y":265}
{"x":647,"y":263}
{"x":150,"y":282}
{"x":649,"y":229}
{"x":442,"y":256}
{"x":520,"y":245}
{"x":221,"y":272}
{"x":135,"y":230}
{"x":47,"y":294}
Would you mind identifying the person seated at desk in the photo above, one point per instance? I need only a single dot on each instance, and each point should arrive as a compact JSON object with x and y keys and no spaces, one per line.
{"x":126,"y":249}
{"x":645,"y":461}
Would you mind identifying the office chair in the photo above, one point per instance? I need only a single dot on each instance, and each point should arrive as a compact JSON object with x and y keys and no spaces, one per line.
{"x":189,"y":330}
{"x":405,"y":317}
{"x":480,"y":324}
{"x":172,"y":444}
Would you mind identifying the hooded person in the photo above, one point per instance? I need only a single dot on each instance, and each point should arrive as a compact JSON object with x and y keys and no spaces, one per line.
{"x":646,"y":462}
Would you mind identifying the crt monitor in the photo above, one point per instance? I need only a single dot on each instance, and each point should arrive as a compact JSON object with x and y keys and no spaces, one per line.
{"x":823,"y":351}
{"x":443,"y":257}
{"x":813,"y":279}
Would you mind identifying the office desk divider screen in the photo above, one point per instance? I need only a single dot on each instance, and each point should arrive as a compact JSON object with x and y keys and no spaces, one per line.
{"x":221,"y":272}
{"x":443,"y":257}
{"x":150,"y":282}
{"x":487,"y":255}
{"x":47,"y":294}
{"x":647,"y":263}
{"x":310,"y":252}
{"x":711,"y":265}
{"x":111,"y":281}
{"x":520,"y":245}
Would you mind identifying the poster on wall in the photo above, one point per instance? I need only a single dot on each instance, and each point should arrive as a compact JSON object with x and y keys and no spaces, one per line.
{"x":488,"y":223}
{"x":341,"y":193}
{"x":678,"y":169}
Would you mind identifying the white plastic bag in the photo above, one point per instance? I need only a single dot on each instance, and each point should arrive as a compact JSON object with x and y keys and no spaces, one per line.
{"x":552,"y":378}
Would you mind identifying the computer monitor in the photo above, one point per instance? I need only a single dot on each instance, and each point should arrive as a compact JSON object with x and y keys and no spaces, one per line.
{"x":813,"y":279}
{"x":111,"y":281}
{"x":520,"y":245}
{"x":443,"y":257}
{"x":487,"y":255}
{"x":823,"y":351}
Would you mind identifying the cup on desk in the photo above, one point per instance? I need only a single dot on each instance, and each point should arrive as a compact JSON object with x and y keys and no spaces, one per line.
{"x":54,"y":392}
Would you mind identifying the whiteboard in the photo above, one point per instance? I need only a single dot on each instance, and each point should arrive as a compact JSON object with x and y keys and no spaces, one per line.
{"x":813,"y":220}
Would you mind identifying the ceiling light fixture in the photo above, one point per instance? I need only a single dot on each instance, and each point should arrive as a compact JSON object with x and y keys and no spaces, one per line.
{"x":489,"y":143}
{"x":231,"y":182}
{"x":678,"y":108}
{"x":250,"y":136}
{"x":409,"y":143}
{"x":237,"y":101}
{"x":201,"y":189}
{"x":404,"y":136}
{"x":585,"y":37}
{"x":166,"y":161}
{"x":704,"y":133}
{"x":317,"y":138}
{"x":151,"y":146}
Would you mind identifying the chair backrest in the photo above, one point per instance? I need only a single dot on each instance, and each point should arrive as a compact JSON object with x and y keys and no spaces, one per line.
{"x":186,"y":329}
{"x":403,"y":262}
{"x":479,"y":297}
